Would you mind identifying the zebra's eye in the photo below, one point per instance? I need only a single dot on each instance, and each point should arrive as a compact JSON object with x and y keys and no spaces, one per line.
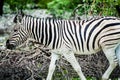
{"x":15,"y":30}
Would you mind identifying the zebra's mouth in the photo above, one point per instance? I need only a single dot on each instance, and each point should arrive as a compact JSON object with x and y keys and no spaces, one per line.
{"x":10,"y":46}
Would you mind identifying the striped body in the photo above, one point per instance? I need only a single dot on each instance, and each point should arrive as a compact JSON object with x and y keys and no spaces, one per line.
{"x":69,"y":37}
{"x":83,"y":37}
{"x":93,"y":35}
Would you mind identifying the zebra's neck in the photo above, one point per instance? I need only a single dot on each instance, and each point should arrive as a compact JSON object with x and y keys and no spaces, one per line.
{"x":44,"y":31}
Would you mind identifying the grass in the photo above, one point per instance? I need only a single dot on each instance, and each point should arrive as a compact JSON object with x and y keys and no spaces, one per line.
{"x":88,"y":78}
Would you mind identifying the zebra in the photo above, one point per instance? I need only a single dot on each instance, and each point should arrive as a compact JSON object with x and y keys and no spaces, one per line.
{"x":69,"y":37}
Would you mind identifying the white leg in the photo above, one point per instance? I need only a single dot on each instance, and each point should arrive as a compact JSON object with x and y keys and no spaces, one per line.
{"x":110,"y":54}
{"x":118,"y":78}
{"x":71,"y":58}
{"x":52,"y":66}
{"x":117,"y":51}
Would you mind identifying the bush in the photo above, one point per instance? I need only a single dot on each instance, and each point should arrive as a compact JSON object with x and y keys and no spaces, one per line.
{"x":65,"y":8}
{"x":26,"y":4}
{"x":87,"y":7}
{"x":19,"y":4}
{"x":59,"y":7}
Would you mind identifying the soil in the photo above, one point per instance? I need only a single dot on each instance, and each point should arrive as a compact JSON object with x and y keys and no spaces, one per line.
{"x":33,"y":65}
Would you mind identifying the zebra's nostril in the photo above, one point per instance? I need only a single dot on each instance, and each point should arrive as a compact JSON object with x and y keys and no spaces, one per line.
{"x":7,"y":42}
{"x":8,"y":45}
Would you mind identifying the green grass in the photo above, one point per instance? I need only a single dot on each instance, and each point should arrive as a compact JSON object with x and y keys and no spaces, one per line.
{"x":88,"y":78}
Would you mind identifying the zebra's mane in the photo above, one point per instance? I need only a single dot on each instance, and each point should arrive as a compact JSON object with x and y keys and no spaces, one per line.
{"x":100,"y":17}
{"x":51,"y":18}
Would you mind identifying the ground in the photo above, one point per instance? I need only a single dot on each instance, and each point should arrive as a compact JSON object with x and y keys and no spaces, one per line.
{"x":23,"y":65}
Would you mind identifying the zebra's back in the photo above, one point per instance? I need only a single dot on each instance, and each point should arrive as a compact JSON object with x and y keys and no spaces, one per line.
{"x":92,"y":35}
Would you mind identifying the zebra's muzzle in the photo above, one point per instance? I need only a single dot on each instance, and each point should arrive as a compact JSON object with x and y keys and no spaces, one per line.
{"x":9,"y":46}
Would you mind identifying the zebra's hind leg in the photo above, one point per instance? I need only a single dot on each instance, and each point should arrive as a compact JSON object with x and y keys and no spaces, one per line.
{"x":52,"y":66}
{"x":110,"y":54}
{"x":72,"y":60}
{"x":117,"y":51}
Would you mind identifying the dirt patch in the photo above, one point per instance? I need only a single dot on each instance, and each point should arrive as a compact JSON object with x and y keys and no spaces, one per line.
{"x":33,"y":65}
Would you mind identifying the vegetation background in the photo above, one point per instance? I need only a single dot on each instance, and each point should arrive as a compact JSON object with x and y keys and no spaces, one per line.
{"x":58,"y":8}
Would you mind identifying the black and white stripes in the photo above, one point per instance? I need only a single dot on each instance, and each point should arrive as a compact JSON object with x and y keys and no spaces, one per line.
{"x":80,"y":37}
{"x":83,"y":36}
{"x":92,"y":34}
{"x":45,"y":31}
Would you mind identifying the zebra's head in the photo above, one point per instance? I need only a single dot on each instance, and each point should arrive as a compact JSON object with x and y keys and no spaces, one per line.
{"x":17,"y":37}
{"x":19,"y":34}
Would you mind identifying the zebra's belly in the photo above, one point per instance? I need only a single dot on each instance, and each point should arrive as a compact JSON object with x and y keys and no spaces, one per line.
{"x":87,"y":52}
{"x":64,"y":49}
{"x":84,"y":50}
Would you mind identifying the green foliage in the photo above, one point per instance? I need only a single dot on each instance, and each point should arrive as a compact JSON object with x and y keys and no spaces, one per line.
{"x":42,"y":3}
{"x":86,"y":7}
{"x":59,"y":7}
{"x":65,"y":8}
{"x":19,"y":4}
{"x":105,"y":7}
{"x":26,"y":4}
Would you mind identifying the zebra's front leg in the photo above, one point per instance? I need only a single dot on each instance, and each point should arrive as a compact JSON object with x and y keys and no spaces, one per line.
{"x":52,"y":66}
{"x":110,"y":54}
{"x":72,"y":60}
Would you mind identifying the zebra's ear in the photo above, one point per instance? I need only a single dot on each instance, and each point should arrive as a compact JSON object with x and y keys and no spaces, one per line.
{"x":18,"y":17}
{"x":20,"y":12}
